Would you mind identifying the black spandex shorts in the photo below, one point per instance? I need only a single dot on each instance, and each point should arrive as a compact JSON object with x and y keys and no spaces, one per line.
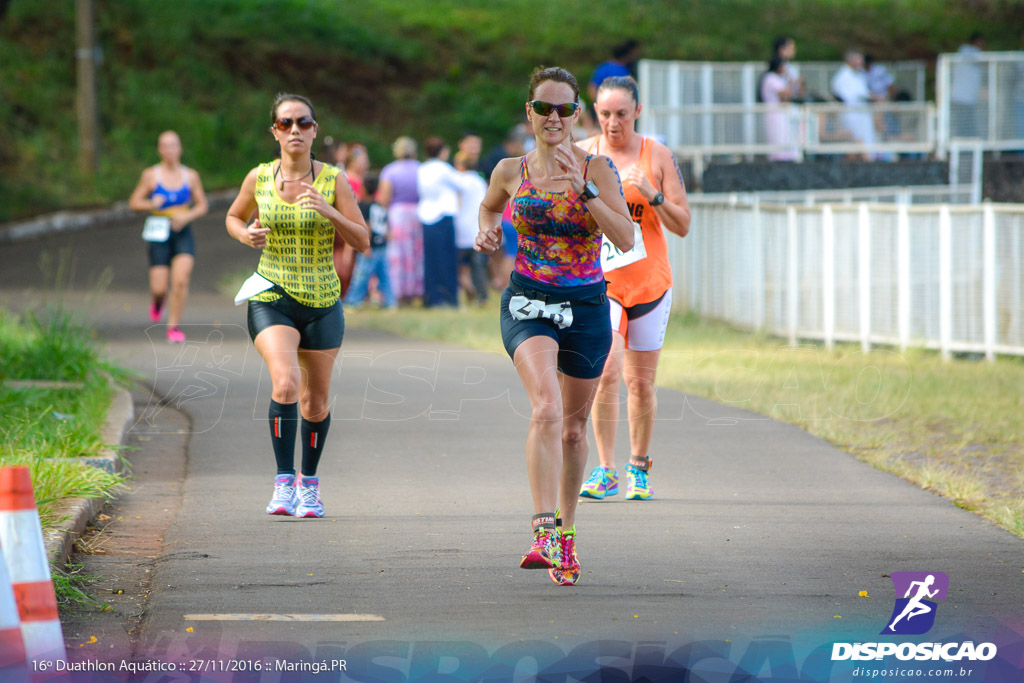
{"x":319,"y":328}
{"x":582,"y":347}
{"x":180,"y":242}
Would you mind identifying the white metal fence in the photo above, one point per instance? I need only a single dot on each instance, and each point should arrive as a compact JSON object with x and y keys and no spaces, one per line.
{"x":980,"y":99}
{"x":705,"y":84}
{"x":708,"y":108}
{"x":793,"y":131}
{"x":943,"y":277}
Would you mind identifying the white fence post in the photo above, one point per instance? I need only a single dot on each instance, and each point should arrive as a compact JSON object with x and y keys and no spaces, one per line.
{"x":759,"y":267}
{"x":864,"y":266}
{"x":828,"y":275}
{"x":903,"y":274}
{"x":989,"y":281}
{"x":945,"y":282}
{"x":793,"y":276}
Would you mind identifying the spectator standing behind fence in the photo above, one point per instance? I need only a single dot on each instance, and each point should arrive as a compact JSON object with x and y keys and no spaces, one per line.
{"x":473,"y":277}
{"x":776,"y":91}
{"x":850,"y":86}
{"x":514,"y":145}
{"x":439,"y":189}
{"x":966,"y":76}
{"x":398,"y":194}
{"x":784,"y":47}
{"x":373,"y":263}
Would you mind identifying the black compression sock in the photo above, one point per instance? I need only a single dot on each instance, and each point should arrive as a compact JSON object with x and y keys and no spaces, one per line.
{"x":283,"y":425}
{"x":314,"y":434}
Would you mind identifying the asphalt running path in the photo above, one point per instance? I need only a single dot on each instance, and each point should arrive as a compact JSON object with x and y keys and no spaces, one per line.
{"x":756,"y":529}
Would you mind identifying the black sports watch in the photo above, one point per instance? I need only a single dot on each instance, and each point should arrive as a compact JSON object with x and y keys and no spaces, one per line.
{"x":658,"y":200}
{"x":589,"y":191}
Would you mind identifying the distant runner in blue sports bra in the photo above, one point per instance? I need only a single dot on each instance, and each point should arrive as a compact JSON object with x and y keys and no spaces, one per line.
{"x":175,"y":191}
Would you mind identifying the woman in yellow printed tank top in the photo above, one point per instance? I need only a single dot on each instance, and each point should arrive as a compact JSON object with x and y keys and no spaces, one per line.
{"x":639,"y":286}
{"x":296,"y":322}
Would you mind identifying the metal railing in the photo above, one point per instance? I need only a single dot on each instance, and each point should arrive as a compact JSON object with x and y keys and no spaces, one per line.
{"x":793,"y":131}
{"x":704,"y":84}
{"x":942,"y":277}
{"x":904,"y":194}
{"x":980,"y":100}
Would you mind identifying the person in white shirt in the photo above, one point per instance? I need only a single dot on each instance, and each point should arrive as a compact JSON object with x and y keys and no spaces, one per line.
{"x":966,"y":80}
{"x":473,"y":275}
{"x":850,"y":85}
{"x":439,"y":187}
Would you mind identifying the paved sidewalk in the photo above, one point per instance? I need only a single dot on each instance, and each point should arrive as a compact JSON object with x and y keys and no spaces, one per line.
{"x":758,"y":532}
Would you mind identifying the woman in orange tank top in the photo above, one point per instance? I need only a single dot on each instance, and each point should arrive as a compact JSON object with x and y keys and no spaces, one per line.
{"x":639,"y":285}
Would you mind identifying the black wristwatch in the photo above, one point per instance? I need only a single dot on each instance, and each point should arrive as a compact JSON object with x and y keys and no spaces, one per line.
{"x":589,"y":191}
{"x":658,"y":200}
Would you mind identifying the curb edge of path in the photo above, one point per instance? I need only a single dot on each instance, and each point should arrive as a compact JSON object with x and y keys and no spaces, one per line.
{"x":76,"y":513}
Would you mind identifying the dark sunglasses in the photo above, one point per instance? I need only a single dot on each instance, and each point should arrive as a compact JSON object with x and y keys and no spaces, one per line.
{"x":545,"y":108}
{"x":304,"y":123}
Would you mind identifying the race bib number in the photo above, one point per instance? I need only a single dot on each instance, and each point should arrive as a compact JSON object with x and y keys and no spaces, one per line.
{"x":522,"y":308}
{"x":612,"y":257}
{"x":156,"y":229}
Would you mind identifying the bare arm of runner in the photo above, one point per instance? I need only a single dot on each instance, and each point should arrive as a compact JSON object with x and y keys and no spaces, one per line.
{"x":237,"y":219}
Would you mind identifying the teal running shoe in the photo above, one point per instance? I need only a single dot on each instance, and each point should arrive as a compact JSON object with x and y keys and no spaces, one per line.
{"x":637,"y":485}
{"x":602,"y":482}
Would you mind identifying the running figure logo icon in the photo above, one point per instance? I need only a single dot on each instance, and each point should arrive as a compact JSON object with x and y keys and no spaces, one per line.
{"x":914,"y":612}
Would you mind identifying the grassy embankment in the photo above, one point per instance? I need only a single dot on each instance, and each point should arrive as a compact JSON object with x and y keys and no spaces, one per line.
{"x":376,"y":69}
{"x":953,"y":428}
{"x":48,"y":428}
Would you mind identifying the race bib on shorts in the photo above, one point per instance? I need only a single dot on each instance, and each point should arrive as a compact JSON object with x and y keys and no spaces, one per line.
{"x":523,"y":308}
{"x":156,"y":229}
{"x":612,"y":257}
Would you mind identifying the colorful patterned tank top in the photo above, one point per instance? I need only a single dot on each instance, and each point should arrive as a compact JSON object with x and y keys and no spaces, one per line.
{"x":559,"y":240}
{"x":300,"y":245}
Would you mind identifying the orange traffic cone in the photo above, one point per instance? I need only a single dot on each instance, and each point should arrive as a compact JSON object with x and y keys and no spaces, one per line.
{"x":21,"y":543}
{"x":12,"y":646}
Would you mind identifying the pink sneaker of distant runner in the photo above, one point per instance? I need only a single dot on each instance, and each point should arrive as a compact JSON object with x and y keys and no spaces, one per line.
{"x":175,"y":336}
{"x":156,"y":311}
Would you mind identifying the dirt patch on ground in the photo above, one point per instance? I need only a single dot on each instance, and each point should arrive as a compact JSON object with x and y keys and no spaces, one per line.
{"x":121,"y":548}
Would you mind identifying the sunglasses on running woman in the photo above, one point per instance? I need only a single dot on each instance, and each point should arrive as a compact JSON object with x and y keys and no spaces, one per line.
{"x":303,"y":122}
{"x":545,"y":108}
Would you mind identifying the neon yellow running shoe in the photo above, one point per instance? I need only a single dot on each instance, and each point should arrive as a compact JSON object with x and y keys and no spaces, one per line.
{"x":637,"y":486}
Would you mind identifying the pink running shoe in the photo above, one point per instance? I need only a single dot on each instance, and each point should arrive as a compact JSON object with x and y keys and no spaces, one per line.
{"x":569,"y":573}
{"x":175,"y":336}
{"x":156,"y":310}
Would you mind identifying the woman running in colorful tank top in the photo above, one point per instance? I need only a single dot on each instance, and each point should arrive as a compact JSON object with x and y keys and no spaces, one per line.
{"x":554,"y":314}
{"x":295,"y":317}
{"x":175,"y":192}
{"x":639,"y":286}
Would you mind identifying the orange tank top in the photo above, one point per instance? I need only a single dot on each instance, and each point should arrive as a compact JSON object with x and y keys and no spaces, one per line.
{"x":647,"y":279}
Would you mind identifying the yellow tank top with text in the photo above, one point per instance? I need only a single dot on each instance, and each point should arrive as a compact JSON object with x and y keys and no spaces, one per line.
{"x":300,"y":245}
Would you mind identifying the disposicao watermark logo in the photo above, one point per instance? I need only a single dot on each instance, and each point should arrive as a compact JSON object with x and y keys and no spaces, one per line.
{"x":915,"y":608}
{"x":914,"y":614}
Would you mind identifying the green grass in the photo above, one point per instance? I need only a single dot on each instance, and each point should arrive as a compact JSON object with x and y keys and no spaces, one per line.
{"x":376,"y":69}
{"x":950,"y":427}
{"x":47,"y":428}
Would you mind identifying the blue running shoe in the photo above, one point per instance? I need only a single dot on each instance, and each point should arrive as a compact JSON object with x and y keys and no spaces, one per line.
{"x":602,"y":482}
{"x":310,"y":504}
{"x":285,"y":499}
{"x":637,"y":486}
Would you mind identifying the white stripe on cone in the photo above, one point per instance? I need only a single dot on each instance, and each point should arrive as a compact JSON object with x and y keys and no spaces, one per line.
{"x":21,"y":542}
{"x":12,"y":645}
